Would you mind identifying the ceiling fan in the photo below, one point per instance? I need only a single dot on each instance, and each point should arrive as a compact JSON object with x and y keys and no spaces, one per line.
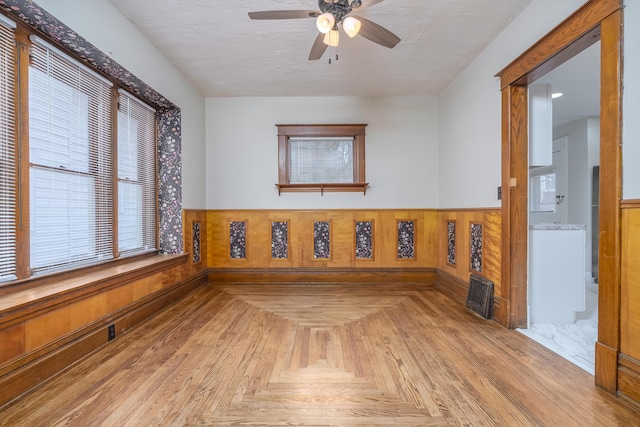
{"x":331,"y":14}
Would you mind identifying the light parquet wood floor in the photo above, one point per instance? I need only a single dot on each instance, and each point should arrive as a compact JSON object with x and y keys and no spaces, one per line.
{"x":321,"y":355}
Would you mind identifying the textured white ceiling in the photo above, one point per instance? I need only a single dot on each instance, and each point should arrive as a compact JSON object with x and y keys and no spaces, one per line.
{"x":224,"y":53}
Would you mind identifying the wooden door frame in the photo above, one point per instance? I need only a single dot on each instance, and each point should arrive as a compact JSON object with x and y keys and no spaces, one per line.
{"x":596,"y":20}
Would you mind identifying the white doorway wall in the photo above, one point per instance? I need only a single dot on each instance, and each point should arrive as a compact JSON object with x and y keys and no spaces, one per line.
{"x":576,"y":142}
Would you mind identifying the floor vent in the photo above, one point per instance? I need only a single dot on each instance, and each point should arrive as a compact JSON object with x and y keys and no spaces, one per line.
{"x":480,"y":297}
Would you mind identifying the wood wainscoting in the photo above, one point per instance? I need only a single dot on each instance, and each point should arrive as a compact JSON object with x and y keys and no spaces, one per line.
{"x":454,"y":271}
{"x":48,"y":325}
{"x":431,"y":258}
{"x":629,"y":358}
{"x":257,"y":252}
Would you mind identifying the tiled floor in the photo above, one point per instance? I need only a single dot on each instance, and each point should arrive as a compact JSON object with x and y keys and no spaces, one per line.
{"x":575,"y":342}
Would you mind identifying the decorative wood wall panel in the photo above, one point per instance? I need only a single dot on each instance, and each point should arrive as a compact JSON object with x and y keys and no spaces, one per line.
{"x":406,"y":239}
{"x":364,"y":239}
{"x":343,"y":238}
{"x":196,"y":255}
{"x":279,"y":239}
{"x":451,"y":243}
{"x":195,"y":237}
{"x":237,"y":239}
{"x":322,"y":240}
{"x":490,"y":219}
{"x":475,"y":247}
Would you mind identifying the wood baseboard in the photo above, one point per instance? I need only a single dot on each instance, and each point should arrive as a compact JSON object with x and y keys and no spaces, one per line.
{"x":606,"y":367}
{"x":457,"y":287}
{"x":315,"y":275}
{"x":501,"y":311}
{"x":629,"y":378}
{"x":27,"y":372}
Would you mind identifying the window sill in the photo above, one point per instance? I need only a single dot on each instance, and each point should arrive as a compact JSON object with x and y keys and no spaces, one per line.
{"x":27,"y":301}
{"x":323,"y":187}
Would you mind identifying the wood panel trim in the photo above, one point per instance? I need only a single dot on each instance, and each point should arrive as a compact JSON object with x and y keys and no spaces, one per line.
{"x":505,"y":270}
{"x":33,"y":369}
{"x":23,"y":234}
{"x":558,"y":45}
{"x":515,"y":214}
{"x":610,"y":238}
{"x":478,"y":210}
{"x":25,"y":304}
{"x":322,"y":275}
{"x":630,"y":204}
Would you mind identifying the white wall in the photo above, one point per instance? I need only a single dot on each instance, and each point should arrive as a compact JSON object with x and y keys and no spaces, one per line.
{"x":401,"y":151}
{"x":631,"y":102}
{"x":470,"y":110}
{"x":104,"y":27}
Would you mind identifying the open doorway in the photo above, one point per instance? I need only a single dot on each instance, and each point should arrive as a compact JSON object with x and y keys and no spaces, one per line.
{"x":562,"y":279}
{"x":596,"y":20}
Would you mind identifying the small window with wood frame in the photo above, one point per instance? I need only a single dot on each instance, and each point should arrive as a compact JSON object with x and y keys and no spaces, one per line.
{"x":321,"y":158}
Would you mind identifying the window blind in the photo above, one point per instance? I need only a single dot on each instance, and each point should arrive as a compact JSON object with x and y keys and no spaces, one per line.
{"x":71,"y":189}
{"x":320,"y":160}
{"x":136,"y":176}
{"x":7,"y":155}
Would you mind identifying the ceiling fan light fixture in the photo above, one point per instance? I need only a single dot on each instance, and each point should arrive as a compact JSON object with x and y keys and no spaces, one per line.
{"x":332,"y":38}
{"x":351,"y":26}
{"x":325,"y":22}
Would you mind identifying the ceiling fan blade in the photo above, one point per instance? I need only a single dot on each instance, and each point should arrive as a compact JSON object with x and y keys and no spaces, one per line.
{"x":377,"y":33}
{"x":284,"y":14}
{"x":318,"y":48}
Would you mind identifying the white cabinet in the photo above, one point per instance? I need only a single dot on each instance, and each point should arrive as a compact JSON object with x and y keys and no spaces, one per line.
{"x":540,"y":125}
{"x":556,"y":272}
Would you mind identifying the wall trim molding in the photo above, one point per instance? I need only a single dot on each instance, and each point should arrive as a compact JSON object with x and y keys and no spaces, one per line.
{"x":630,"y":204}
{"x":479,"y":210}
{"x":323,"y":275}
{"x":33,"y":369}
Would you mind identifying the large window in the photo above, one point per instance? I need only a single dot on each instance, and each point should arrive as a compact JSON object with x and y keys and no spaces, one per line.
{"x":69,"y":200}
{"x":71,"y":197}
{"x":136,"y":175}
